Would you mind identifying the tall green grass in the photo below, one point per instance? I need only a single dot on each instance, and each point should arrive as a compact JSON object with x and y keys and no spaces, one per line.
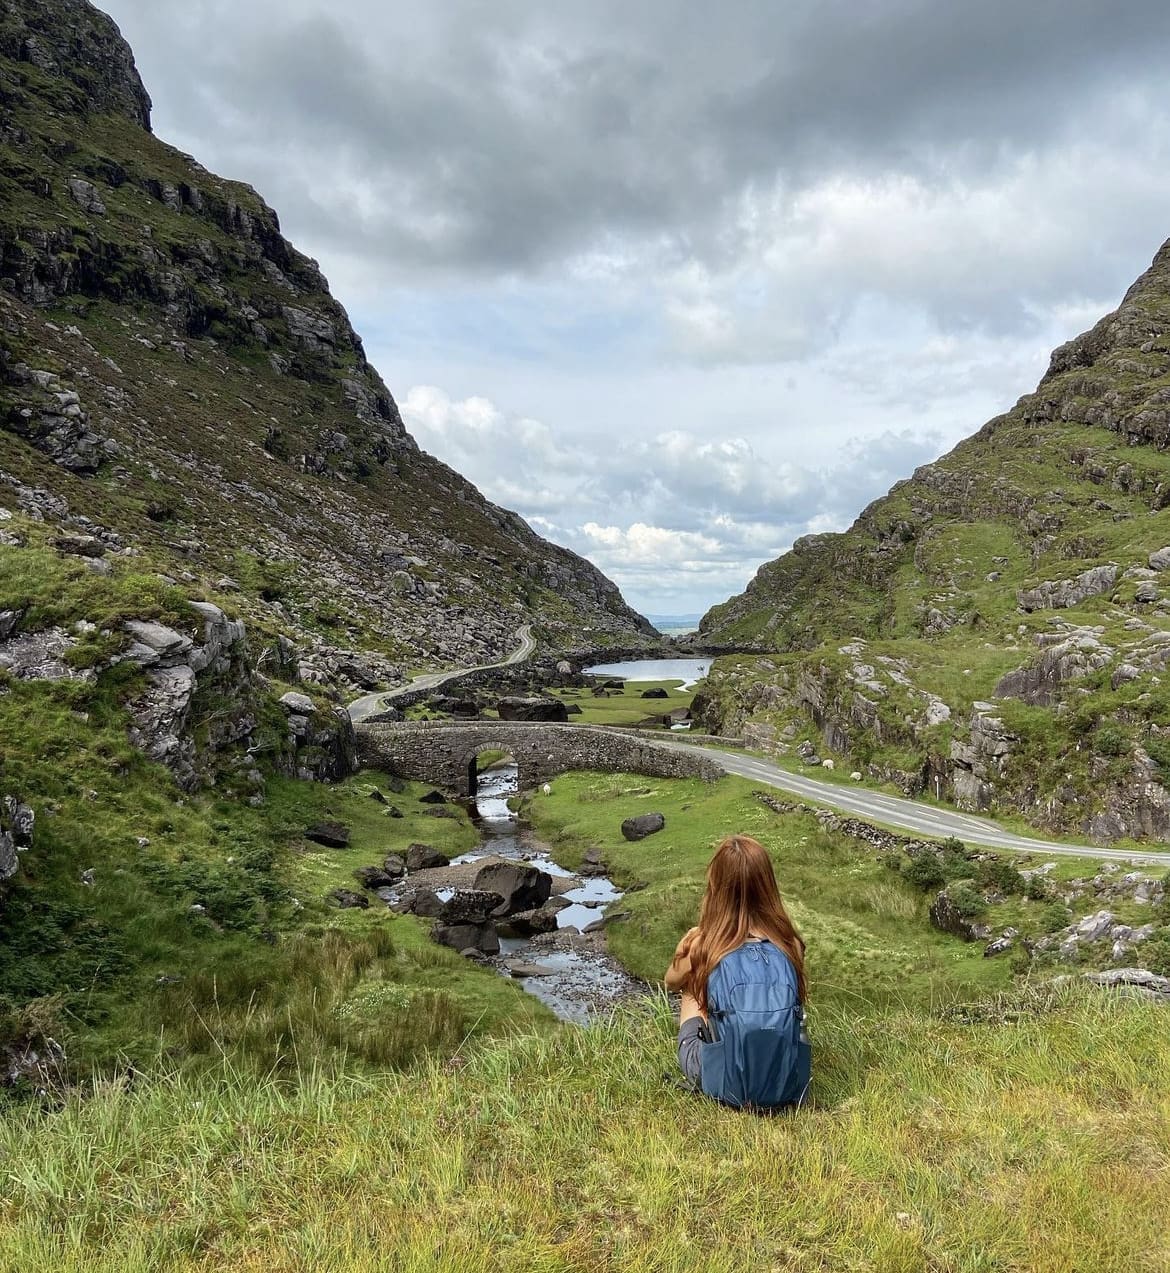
{"x":1040,"y":1142}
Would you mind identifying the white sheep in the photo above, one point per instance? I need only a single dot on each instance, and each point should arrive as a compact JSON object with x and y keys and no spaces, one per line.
{"x":546,"y":789}
{"x":855,"y":776}
{"x":826,"y":764}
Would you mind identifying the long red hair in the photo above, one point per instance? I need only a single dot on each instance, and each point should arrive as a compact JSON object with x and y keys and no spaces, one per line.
{"x":741,"y":898}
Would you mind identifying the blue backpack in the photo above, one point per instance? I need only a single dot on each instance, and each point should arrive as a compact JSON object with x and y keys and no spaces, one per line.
{"x":759,"y":1055}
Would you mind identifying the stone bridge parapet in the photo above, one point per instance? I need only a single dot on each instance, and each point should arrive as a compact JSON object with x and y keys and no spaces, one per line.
{"x":445,"y":753}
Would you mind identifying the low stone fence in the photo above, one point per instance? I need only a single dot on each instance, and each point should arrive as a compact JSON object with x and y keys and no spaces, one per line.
{"x":444,"y":753}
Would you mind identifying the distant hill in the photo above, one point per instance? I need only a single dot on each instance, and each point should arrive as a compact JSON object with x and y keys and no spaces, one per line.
{"x":995,"y":629}
{"x":676,"y":623}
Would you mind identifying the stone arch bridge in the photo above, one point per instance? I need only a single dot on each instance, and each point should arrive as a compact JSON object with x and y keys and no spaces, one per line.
{"x":446,"y":753}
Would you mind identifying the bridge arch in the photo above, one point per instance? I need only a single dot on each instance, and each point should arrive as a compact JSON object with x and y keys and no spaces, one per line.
{"x":445,"y":753}
{"x":473,"y":764}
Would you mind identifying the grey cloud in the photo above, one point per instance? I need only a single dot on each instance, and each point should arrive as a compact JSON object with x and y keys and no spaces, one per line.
{"x":514,"y":136}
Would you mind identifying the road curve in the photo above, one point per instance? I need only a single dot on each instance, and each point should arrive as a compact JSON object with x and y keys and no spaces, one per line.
{"x":908,"y":815}
{"x":371,"y":704}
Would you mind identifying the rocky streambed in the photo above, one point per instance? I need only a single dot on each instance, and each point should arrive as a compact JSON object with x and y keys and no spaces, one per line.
{"x":518,"y":909}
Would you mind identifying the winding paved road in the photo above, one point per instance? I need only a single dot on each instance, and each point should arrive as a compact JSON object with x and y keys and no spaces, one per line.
{"x":909,"y":815}
{"x":876,"y":806}
{"x":371,"y":704}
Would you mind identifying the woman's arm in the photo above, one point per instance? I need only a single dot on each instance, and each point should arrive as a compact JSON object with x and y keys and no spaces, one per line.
{"x":680,"y":966}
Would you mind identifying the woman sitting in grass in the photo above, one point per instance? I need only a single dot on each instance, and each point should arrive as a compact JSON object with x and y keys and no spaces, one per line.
{"x":741,"y":972}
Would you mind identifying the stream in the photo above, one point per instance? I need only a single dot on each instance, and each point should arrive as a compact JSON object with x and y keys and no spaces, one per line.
{"x":569,"y":969}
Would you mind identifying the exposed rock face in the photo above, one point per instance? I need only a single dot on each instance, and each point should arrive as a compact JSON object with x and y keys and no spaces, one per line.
{"x":1062,"y":594}
{"x":947,"y":915}
{"x":17,"y":821}
{"x":73,"y":41}
{"x":1070,"y":659}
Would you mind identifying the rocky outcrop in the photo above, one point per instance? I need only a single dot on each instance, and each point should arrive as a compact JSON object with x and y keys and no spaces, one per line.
{"x":979,"y":762}
{"x":51,"y":417}
{"x":1062,"y":594}
{"x":17,"y":822}
{"x":1066,"y":658}
{"x":954,"y":911}
{"x":173,"y":662}
{"x":81,"y":49}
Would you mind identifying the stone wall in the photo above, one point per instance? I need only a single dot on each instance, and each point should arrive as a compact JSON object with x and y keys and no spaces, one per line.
{"x":445,"y":754}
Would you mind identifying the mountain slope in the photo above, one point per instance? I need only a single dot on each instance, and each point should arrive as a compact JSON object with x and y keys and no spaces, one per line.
{"x":1024,"y":567}
{"x":174,"y":370}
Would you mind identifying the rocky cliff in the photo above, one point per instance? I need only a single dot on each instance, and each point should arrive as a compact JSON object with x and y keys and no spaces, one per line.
{"x":996,"y":628}
{"x":177,"y":383}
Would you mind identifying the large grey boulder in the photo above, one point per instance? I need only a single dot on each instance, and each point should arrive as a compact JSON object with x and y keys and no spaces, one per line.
{"x":462,"y":937}
{"x":422,"y":857}
{"x":521,"y":887}
{"x":333,"y":835}
{"x":643,"y":825}
{"x":469,"y":906}
{"x":297,"y":704}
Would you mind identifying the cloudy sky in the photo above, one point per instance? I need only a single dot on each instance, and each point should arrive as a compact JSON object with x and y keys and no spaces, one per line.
{"x":681,"y":282}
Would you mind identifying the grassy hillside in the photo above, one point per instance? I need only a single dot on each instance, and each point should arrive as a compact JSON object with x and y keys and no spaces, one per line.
{"x":352,"y":1097}
{"x":1031,"y":549}
{"x":1035,"y":1143}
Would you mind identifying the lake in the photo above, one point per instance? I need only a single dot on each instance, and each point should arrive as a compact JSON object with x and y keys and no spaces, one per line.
{"x":686,"y":670}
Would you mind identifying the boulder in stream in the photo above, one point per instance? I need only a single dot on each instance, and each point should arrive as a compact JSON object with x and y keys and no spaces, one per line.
{"x":374,"y":877}
{"x":462,"y":937}
{"x":528,"y":923}
{"x":426,"y":902}
{"x":522,"y":887}
{"x":469,"y":906}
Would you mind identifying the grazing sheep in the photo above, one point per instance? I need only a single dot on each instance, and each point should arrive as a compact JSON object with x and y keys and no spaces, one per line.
{"x":546,"y":789}
{"x":855,"y":776}
{"x":826,"y":764}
